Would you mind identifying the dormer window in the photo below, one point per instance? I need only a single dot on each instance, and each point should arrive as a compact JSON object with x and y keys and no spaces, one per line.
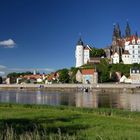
{"x":133,"y":41}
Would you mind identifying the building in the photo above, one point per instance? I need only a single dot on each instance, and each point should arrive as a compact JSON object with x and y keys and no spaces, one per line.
{"x":87,"y":76}
{"x":94,"y":60}
{"x":82,"y":53}
{"x":135,"y":75}
{"x":132,"y":45}
{"x":115,"y":58}
{"x":127,"y":46}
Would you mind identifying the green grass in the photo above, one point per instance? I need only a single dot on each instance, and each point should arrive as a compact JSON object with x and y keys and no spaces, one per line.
{"x":38,"y":122}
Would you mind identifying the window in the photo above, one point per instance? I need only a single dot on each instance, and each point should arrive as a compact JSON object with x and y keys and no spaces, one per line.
{"x":137,"y":71}
{"x":133,"y":51}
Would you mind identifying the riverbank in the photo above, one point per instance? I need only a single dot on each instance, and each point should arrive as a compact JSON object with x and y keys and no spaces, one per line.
{"x":70,"y":87}
{"x":67,"y":123}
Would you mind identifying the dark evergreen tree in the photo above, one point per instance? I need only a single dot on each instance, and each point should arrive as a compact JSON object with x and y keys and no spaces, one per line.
{"x":127,"y":30}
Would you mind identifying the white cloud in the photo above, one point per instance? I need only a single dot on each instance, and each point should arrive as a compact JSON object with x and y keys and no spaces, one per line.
{"x":8,"y":43}
{"x":2,"y":67}
{"x":2,"y":73}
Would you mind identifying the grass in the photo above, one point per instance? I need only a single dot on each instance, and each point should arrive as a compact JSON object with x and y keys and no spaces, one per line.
{"x":38,"y":122}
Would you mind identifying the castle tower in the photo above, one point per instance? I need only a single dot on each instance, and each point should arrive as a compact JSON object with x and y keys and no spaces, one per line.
{"x":79,"y":53}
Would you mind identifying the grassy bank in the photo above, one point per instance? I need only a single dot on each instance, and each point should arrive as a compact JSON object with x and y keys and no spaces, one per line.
{"x":33,"y":122}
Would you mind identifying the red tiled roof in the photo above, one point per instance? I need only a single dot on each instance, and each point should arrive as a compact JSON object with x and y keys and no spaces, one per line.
{"x":87,"y":71}
{"x":133,"y":37}
{"x":32,"y":76}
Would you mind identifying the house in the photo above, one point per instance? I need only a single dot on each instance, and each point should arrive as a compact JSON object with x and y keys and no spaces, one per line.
{"x":87,"y":76}
{"x":94,"y":60}
{"x":115,"y":58}
{"x":124,"y":79}
{"x":135,"y":75}
{"x":126,"y":57}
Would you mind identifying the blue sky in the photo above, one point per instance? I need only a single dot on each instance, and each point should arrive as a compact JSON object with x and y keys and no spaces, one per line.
{"x":42,"y":34}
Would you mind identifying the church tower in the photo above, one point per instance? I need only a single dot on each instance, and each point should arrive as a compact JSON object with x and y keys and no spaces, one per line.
{"x":127,"y":30}
{"x":79,"y":53}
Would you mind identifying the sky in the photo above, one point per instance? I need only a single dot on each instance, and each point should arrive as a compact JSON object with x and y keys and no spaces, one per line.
{"x":42,"y":34}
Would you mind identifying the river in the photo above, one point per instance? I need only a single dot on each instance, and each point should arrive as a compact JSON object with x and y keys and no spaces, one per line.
{"x":121,"y":99}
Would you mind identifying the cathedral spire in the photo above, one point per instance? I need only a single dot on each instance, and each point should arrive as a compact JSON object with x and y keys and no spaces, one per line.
{"x":127,"y":30}
{"x":116,"y":31}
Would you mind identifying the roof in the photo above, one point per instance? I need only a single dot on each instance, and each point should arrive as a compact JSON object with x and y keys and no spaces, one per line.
{"x":131,"y":38}
{"x":87,"y":71}
{"x":126,"y":52}
{"x":32,"y":76}
{"x":80,"y":42}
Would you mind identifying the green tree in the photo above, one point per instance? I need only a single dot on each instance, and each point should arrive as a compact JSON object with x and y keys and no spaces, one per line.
{"x":64,"y":76}
{"x":73,"y":71}
{"x":103,"y":70}
{"x":97,"y":52}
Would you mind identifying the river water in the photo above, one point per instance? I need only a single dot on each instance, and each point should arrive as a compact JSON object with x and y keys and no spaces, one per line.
{"x":99,"y":98}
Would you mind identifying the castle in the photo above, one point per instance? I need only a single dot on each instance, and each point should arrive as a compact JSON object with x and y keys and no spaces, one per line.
{"x":124,"y":49}
{"x":82,"y":53}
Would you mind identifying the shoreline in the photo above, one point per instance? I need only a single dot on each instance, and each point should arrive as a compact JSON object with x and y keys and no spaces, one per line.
{"x":71,"y":87}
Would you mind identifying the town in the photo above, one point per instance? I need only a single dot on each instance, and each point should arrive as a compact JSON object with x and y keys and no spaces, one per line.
{"x":119,"y":62}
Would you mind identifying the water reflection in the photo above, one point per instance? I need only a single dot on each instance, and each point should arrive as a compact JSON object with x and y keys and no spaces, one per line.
{"x":123,"y":99}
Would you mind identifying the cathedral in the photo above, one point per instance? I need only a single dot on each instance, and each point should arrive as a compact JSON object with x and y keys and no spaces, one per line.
{"x":124,"y":49}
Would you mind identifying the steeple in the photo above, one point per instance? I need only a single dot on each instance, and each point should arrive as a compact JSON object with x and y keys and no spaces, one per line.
{"x":80,"y":42}
{"x":116,"y":31}
{"x":127,"y":30}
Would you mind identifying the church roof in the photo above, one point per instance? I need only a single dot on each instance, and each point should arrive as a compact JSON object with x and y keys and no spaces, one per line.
{"x":80,"y":42}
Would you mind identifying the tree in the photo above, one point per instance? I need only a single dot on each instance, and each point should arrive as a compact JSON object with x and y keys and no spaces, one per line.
{"x":73,"y":71}
{"x":97,"y":52}
{"x":103,"y":70}
{"x":64,"y":76}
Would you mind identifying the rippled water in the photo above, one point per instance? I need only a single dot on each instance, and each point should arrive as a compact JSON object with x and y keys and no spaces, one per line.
{"x":98,"y":98}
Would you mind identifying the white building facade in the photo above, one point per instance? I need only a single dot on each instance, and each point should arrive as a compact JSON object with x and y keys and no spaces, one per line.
{"x":82,"y":53}
{"x":132,"y":45}
{"x":115,"y":58}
